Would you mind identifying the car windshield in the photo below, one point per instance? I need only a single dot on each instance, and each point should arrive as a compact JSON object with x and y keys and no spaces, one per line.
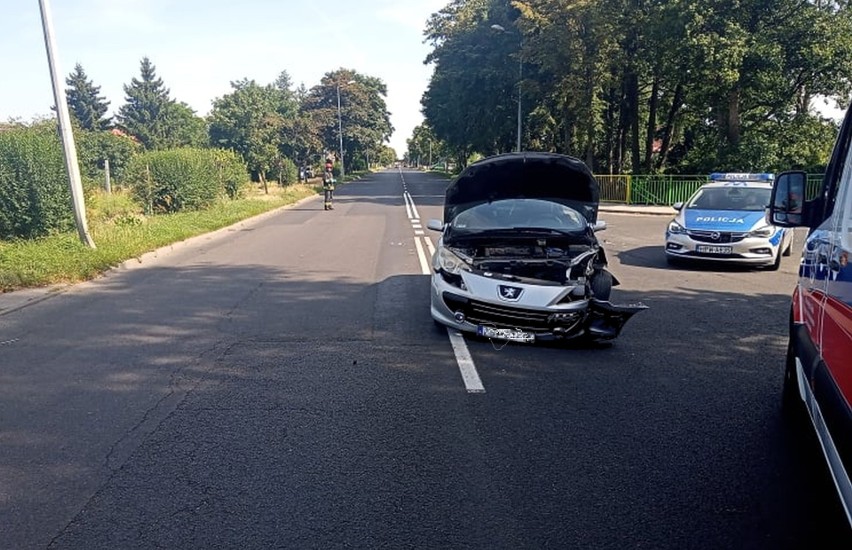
{"x":730,"y":198}
{"x":520,"y":213}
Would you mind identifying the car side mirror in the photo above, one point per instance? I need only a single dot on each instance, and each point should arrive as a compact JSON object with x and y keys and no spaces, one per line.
{"x":787,"y":203}
{"x":599,"y":225}
{"x":678,"y":206}
{"x":435,"y":225}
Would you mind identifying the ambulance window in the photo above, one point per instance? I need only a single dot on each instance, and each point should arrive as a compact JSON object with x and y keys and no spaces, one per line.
{"x":844,"y":210}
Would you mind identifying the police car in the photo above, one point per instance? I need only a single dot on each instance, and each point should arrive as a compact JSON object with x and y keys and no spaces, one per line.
{"x":725,"y":221}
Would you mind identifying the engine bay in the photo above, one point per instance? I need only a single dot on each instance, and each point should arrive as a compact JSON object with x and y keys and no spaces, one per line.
{"x":534,"y":262}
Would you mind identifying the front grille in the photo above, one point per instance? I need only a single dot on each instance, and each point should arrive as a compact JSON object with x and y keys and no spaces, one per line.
{"x":723,"y":236}
{"x":483,"y":313}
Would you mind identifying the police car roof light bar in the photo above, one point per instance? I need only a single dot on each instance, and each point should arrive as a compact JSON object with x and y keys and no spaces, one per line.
{"x":741,"y":176}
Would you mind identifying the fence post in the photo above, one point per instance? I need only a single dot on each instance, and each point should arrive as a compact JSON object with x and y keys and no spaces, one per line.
{"x":107,"y":184}
{"x":628,"y":188}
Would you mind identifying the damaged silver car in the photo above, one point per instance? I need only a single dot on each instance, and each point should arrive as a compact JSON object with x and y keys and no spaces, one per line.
{"x":518,"y":258}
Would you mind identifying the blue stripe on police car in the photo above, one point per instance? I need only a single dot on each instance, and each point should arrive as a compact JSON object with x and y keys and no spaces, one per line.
{"x":722,"y":220}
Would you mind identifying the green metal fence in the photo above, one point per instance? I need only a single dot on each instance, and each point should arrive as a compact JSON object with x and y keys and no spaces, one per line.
{"x":813,"y":186}
{"x":664,"y":189}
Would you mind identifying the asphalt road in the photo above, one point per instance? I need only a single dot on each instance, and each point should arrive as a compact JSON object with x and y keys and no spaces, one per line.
{"x":281,"y":385}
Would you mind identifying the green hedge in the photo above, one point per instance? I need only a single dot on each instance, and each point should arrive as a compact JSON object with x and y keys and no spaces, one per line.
{"x":94,"y":147}
{"x":184,"y":179}
{"x":35,"y":199}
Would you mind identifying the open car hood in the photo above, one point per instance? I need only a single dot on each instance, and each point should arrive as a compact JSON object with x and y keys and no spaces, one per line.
{"x":546,"y":176}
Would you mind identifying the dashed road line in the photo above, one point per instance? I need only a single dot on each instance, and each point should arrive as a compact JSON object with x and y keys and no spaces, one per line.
{"x":470,"y":376}
{"x":424,"y":263}
{"x":472,"y":382}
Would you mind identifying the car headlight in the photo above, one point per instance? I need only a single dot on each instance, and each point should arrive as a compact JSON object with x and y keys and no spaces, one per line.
{"x":763,"y":232}
{"x":450,"y":262}
{"x":676,"y":228}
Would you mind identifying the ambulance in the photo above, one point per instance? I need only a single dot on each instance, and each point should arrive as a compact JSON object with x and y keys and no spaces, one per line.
{"x":818,"y":373}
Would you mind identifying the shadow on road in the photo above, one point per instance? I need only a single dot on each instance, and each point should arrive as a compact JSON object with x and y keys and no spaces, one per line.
{"x":209,"y":404}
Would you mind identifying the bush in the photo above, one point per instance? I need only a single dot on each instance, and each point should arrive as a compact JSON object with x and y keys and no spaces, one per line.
{"x":35,"y":199}
{"x":174,"y":180}
{"x":232,"y":172}
{"x":289,"y":172}
{"x":184,"y":179}
{"x":94,"y":147}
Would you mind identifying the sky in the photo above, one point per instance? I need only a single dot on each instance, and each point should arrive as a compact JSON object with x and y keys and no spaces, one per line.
{"x":199,"y":46}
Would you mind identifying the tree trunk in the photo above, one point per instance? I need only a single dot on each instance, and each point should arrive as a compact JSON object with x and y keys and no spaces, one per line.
{"x":651,"y":130}
{"x":668,"y":129}
{"x":262,"y":175}
{"x":733,"y":122}
{"x":633,"y":117}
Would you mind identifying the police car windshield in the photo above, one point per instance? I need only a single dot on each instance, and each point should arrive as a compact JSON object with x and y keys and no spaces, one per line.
{"x":730,"y":198}
{"x":519,"y":213}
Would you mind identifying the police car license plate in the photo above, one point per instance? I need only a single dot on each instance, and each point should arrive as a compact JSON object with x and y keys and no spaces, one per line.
{"x":714,"y":249}
{"x":509,"y":334}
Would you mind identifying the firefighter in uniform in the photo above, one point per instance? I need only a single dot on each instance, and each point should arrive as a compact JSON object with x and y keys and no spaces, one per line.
{"x":328,"y":185}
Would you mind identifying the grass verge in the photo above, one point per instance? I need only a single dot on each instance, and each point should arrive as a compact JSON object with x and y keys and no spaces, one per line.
{"x":121,"y":233}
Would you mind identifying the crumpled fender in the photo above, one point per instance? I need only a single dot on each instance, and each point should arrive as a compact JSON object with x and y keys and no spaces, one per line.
{"x":605,"y":319}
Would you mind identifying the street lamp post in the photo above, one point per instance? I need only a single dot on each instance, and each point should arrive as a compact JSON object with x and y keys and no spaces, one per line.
{"x":502,"y":29}
{"x":340,"y":128}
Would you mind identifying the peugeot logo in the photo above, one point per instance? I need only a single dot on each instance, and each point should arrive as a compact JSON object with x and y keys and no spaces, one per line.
{"x":715,"y":235}
{"x":510,"y":293}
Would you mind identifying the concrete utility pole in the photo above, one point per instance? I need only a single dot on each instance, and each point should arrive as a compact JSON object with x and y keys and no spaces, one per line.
{"x":68,"y":147}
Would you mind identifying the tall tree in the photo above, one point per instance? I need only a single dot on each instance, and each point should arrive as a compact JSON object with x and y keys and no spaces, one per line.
{"x":184,"y":128}
{"x":145,"y":113}
{"x":248,"y":121}
{"x":85,"y":102}
{"x":363,"y":115}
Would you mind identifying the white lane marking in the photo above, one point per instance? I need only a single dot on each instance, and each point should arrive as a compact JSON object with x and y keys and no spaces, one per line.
{"x":413,"y":207}
{"x":419,"y":232}
{"x":407,"y":206}
{"x":472,"y":382}
{"x":430,"y":246}
{"x":424,"y":263}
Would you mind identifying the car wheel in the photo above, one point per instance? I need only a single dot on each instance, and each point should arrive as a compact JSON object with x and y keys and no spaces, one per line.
{"x":791,"y":401}
{"x":601,"y":285}
{"x":789,"y":250}
{"x":777,"y":263}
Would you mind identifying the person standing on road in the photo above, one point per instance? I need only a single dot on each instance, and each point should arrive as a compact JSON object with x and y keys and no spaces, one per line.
{"x":328,"y":185}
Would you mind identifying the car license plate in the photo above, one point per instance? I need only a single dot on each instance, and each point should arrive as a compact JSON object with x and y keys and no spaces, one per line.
{"x":510,"y":334}
{"x":714,"y":249}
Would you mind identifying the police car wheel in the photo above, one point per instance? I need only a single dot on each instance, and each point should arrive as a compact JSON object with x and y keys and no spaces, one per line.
{"x":789,"y":250}
{"x":777,"y":263}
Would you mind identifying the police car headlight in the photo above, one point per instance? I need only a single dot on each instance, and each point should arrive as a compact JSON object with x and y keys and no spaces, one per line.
{"x":450,"y":262}
{"x":763,"y":232}
{"x":676,"y":228}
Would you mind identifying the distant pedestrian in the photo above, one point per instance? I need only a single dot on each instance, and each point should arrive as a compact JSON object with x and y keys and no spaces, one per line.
{"x":328,"y":185}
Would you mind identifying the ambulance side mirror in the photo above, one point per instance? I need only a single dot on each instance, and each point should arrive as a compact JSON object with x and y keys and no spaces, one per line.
{"x":787,"y":204}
